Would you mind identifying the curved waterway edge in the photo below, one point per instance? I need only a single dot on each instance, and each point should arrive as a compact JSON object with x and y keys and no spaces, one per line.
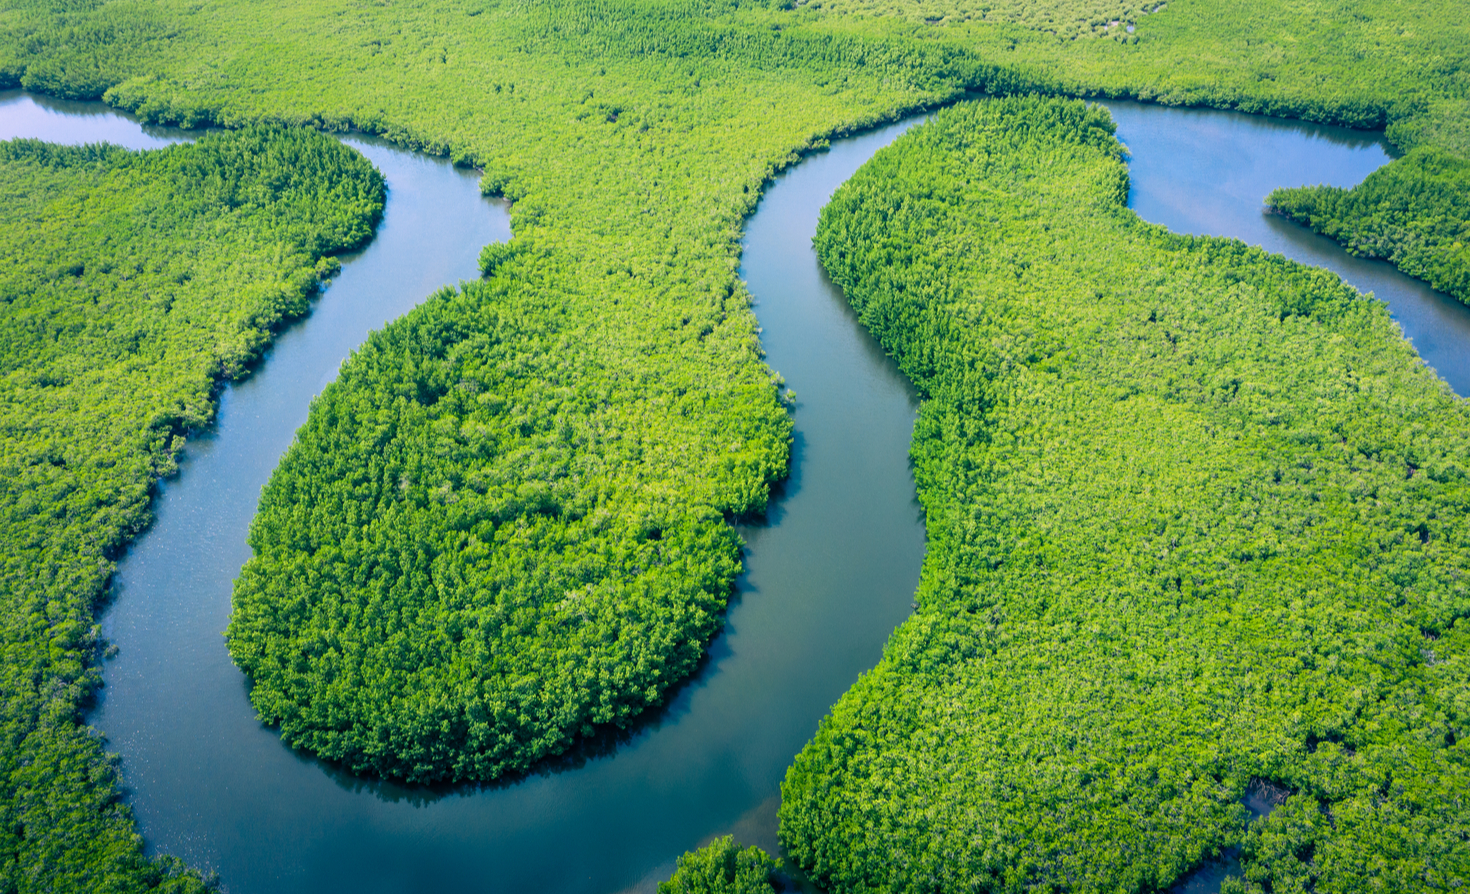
{"x":829,"y":573}
{"x":1206,"y":172}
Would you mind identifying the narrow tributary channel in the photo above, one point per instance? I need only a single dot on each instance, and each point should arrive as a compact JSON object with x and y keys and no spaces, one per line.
{"x":829,"y":574}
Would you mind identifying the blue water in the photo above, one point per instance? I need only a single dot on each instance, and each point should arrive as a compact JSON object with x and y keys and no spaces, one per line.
{"x":1207,"y":173}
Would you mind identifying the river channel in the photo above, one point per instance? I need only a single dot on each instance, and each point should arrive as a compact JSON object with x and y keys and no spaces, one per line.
{"x":829,"y":574}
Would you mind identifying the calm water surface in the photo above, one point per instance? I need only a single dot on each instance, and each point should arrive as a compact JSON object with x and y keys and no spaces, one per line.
{"x":829,"y":575}
{"x":828,"y":578}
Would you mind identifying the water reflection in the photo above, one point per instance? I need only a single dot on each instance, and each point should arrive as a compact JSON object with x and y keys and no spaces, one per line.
{"x":63,"y":121}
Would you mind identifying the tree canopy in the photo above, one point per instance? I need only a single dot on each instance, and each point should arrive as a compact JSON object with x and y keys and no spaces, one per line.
{"x":633,"y":137}
{"x":722,"y":867}
{"x":1196,"y":519}
{"x":1414,"y":213}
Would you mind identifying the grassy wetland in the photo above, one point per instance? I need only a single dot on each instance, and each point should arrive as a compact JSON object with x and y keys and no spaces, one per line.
{"x":506,"y":523}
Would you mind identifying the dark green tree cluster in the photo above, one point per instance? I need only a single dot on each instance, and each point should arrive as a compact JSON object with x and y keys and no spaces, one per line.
{"x":76,"y":49}
{"x":1196,"y":518}
{"x":1414,"y":213}
{"x":722,"y":867}
{"x":130,"y":285}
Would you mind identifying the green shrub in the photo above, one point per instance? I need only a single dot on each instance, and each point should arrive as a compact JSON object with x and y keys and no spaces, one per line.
{"x":721,"y":867}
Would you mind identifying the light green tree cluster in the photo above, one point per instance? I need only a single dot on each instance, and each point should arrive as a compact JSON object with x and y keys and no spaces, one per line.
{"x":722,"y":867}
{"x":1065,"y":19}
{"x":1196,"y":518}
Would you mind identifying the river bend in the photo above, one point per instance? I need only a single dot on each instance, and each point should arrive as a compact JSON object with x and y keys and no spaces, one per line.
{"x":828,"y":576}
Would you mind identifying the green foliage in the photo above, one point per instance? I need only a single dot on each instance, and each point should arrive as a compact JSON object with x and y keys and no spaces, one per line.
{"x":494,"y":533}
{"x":1280,"y":852}
{"x":632,"y":136}
{"x":77,"y":49}
{"x":721,"y":867}
{"x":495,"y":254}
{"x":1068,"y":19}
{"x":459,"y":76}
{"x":1414,"y":213}
{"x":1400,"y":63}
{"x":1383,"y":63}
{"x":130,"y":283}
{"x":1196,"y":517}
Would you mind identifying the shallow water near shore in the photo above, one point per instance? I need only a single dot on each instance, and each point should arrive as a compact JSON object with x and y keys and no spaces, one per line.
{"x":829,"y":573}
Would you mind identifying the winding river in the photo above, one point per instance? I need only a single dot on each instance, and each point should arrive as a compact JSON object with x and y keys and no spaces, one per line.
{"x":829,"y":575}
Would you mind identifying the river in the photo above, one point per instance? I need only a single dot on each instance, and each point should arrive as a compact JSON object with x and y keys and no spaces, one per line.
{"x":828,"y":575}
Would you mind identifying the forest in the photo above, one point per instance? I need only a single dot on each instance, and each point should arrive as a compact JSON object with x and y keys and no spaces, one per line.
{"x":476,"y":551}
{"x":1196,"y":520}
{"x":132,"y":283}
{"x":1414,"y":213}
{"x":572,"y":435}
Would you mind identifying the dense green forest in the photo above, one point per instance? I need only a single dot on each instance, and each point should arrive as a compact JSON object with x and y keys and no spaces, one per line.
{"x":486,"y":541}
{"x":606,"y":384}
{"x":1414,"y":213}
{"x":131,"y":284}
{"x":1196,"y":517}
{"x":1064,"y":19}
{"x":722,"y":867}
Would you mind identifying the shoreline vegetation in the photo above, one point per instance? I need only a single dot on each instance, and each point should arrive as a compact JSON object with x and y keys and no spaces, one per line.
{"x":1414,"y":213}
{"x":571,"y":433}
{"x":133,"y":284}
{"x":1196,"y":522}
{"x":722,"y":867}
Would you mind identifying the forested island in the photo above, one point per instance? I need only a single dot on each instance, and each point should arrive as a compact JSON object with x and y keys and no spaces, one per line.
{"x":1195,"y":512}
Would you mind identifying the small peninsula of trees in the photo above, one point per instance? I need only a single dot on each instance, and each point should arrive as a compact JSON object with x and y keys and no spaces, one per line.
{"x":722,"y":867}
{"x":1414,"y":213}
{"x":131,"y":285}
{"x":1197,"y":517}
